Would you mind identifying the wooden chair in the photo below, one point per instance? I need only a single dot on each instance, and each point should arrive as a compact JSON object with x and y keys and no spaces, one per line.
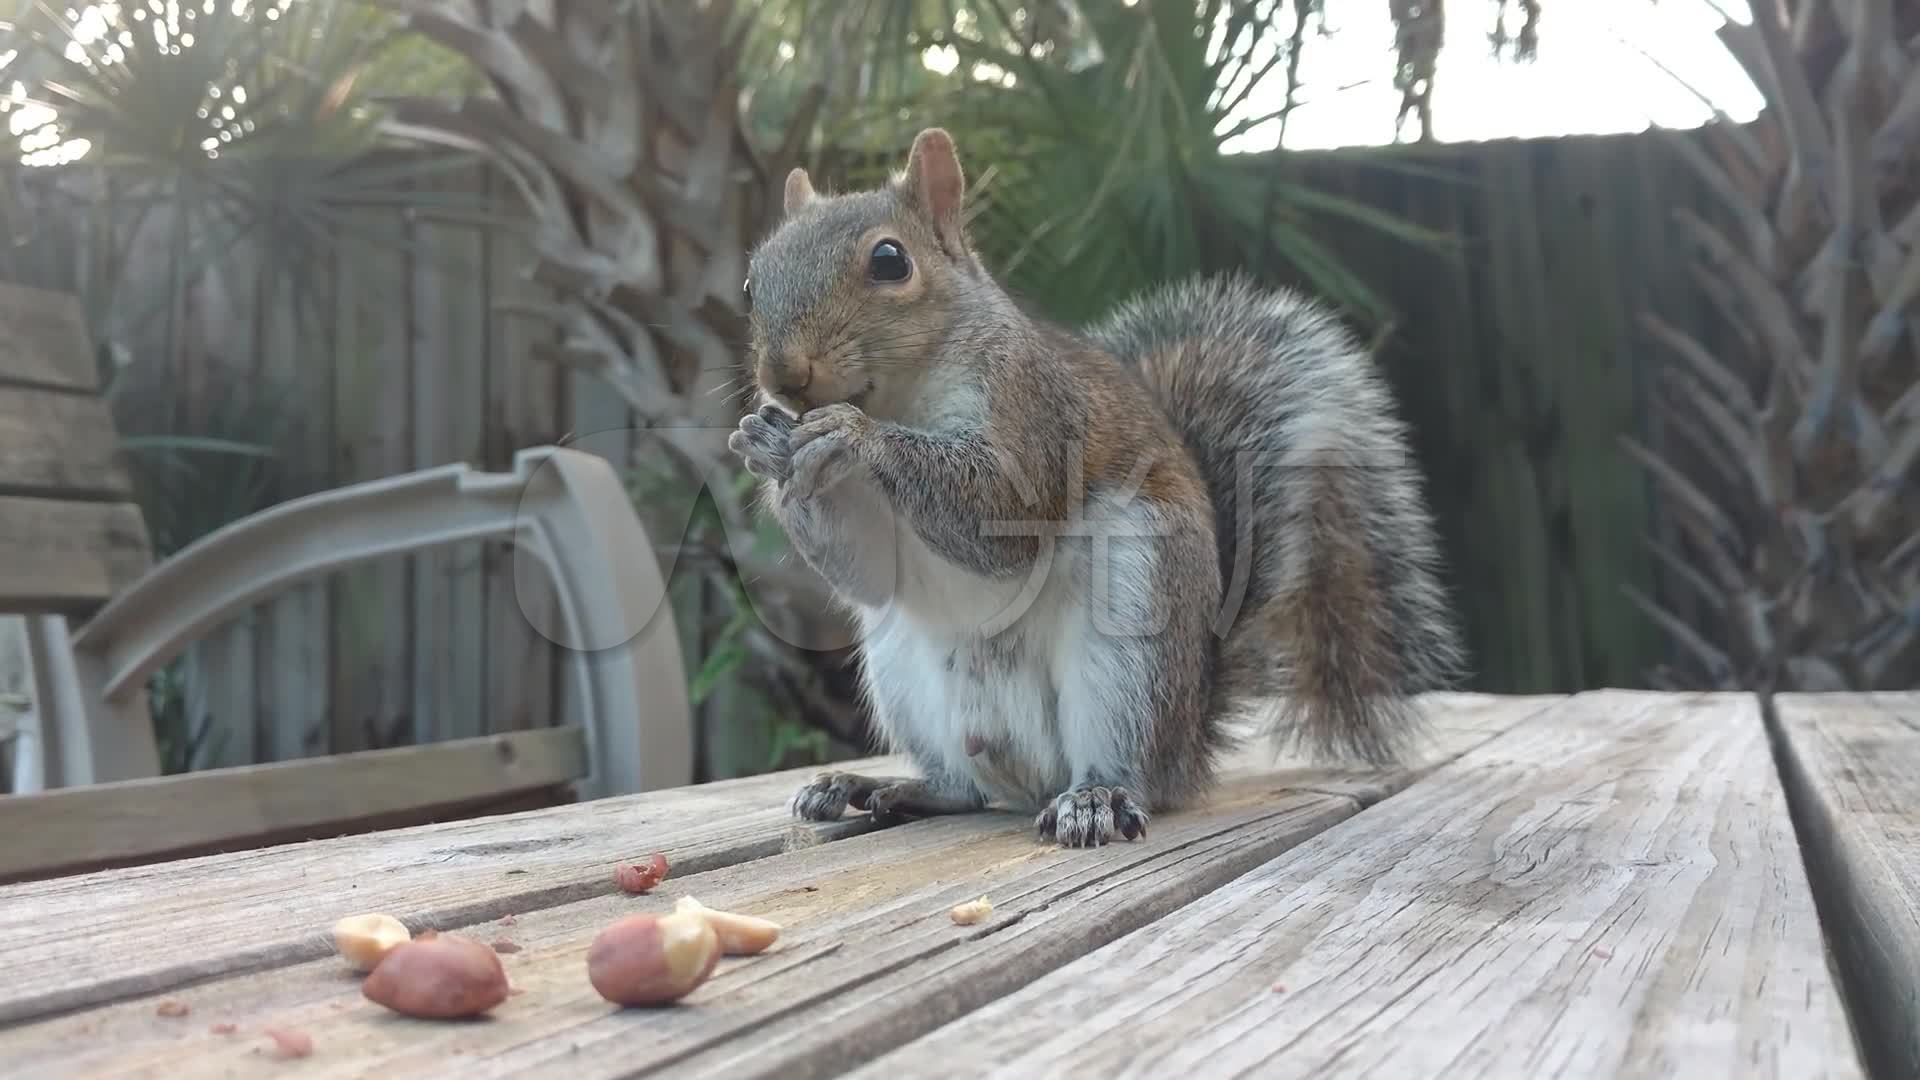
{"x":75,"y":559}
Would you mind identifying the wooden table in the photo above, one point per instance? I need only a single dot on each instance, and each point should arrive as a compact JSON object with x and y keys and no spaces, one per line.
{"x":1603,"y":885}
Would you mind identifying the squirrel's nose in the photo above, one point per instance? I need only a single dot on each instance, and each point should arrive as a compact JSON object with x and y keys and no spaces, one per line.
{"x":789,"y":378}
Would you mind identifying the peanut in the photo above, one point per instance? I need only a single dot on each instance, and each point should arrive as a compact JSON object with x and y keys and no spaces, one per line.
{"x":972,"y":911}
{"x":442,"y":978}
{"x":643,"y":876}
{"x":364,"y":939}
{"x":290,"y":1043}
{"x":740,"y":935}
{"x":652,"y":959}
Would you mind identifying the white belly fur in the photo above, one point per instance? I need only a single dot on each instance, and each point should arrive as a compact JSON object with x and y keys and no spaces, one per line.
{"x":958,"y":655}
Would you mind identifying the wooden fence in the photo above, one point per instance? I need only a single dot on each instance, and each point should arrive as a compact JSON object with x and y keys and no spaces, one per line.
{"x":391,"y":354}
{"x":1520,"y":360}
{"x":1517,"y":359}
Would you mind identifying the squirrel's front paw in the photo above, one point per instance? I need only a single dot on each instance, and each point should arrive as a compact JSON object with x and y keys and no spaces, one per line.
{"x":1089,"y":815}
{"x":826,"y":447}
{"x":830,"y":793}
{"x":764,"y":440}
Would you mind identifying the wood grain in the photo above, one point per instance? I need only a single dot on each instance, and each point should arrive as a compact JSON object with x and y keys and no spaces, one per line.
{"x":1852,"y":767}
{"x":371,"y":605}
{"x":869,"y":958}
{"x":448,"y":354}
{"x":1613,"y":893}
{"x":83,"y":940}
{"x":43,"y":340}
{"x":59,"y":445}
{"x":67,"y":558}
{"x":288,"y":647}
{"x":106,"y":822}
{"x":524,"y":398}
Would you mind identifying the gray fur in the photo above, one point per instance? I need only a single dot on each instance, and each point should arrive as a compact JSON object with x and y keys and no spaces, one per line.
{"x":1039,"y":531}
{"x":1239,"y":368}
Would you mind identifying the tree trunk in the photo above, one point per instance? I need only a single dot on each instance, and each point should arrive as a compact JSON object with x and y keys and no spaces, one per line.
{"x":1796,"y":496}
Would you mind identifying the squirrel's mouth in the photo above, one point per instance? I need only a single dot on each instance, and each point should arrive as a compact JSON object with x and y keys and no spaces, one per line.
{"x":798,"y":405}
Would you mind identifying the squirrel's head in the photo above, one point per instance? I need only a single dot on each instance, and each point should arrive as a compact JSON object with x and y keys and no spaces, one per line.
{"x":852,"y":293}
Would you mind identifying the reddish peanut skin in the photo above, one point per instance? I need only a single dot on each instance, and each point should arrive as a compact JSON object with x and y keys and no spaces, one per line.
{"x":441,"y":978}
{"x":634,"y":962}
{"x":638,"y":878}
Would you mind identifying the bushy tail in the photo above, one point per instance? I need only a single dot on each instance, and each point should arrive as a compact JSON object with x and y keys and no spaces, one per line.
{"x":1327,"y":551}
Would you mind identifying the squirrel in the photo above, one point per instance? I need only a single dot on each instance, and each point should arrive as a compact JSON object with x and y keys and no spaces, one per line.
{"x":1071,"y":556}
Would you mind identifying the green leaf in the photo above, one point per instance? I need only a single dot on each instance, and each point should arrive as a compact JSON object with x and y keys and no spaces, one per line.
{"x":722,"y":661}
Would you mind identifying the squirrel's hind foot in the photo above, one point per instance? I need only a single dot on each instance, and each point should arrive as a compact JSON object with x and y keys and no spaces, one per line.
{"x":1090,"y":815}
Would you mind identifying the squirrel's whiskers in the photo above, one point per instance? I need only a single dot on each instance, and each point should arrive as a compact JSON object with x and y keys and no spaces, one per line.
{"x":1072,"y":555}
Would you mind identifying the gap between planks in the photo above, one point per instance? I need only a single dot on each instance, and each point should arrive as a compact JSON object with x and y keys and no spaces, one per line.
{"x":1851,"y":766}
{"x":1617,"y":893}
{"x":870,"y":959}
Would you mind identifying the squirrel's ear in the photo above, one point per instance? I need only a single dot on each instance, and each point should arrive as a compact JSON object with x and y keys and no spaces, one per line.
{"x":937,"y":185}
{"x":799,"y":189}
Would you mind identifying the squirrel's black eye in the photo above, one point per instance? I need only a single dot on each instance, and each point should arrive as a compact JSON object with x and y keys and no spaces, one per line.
{"x":888,"y":262}
{"x":746,"y":290}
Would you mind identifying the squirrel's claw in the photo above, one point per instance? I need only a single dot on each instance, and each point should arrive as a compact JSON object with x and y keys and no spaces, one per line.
{"x":1090,"y":815}
{"x":765,"y":445}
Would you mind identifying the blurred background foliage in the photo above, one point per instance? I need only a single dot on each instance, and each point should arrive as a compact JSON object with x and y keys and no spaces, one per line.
{"x":645,"y":139}
{"x":1095,"y":133}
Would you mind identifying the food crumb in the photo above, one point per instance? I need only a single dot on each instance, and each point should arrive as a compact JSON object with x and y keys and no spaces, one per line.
{"x":1603,"y":952}
{"x":171,"y":1007}
{"x":505,"y":946}
{"x":289,"y":1043}
{"x":972,"y":911}
{"x":638,"y":878}
{"x":223,"y":1029}
{"x":506,"y":920}
{"x":1279,"y":988}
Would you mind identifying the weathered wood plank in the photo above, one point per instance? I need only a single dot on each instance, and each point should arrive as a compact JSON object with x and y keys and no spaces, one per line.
{"x":59,"y":444}
{"x":44,"y":341}
{"x":462,"y":331}
{"x":445,"y":357}
{"x":60,"y":557}
{"x":291,"y":672}
{"x":1614,"y":893}
{"x":525,"y":407}
{"x":1852,"y":767}
{"x":218,"y":691}
{"x":104,"y":822}
{"x":869,"y":958}
{"x":93,"y":938}
{"x":370,"y":605}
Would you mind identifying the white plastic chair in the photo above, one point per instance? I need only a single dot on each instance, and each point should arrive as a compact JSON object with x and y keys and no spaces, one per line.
{"x":565,"y":512}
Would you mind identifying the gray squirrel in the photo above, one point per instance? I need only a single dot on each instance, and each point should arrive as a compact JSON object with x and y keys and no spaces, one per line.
{"x":1072,"y":556}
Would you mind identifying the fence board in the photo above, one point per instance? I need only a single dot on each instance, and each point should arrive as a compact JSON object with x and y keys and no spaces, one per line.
{"x":373,"y":633}
{"x":524,"y":400}
{"x":463,"y":647}
{"x":1519,"y":361}
{"x":296,"y":338}
{"x":435,"y":365}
